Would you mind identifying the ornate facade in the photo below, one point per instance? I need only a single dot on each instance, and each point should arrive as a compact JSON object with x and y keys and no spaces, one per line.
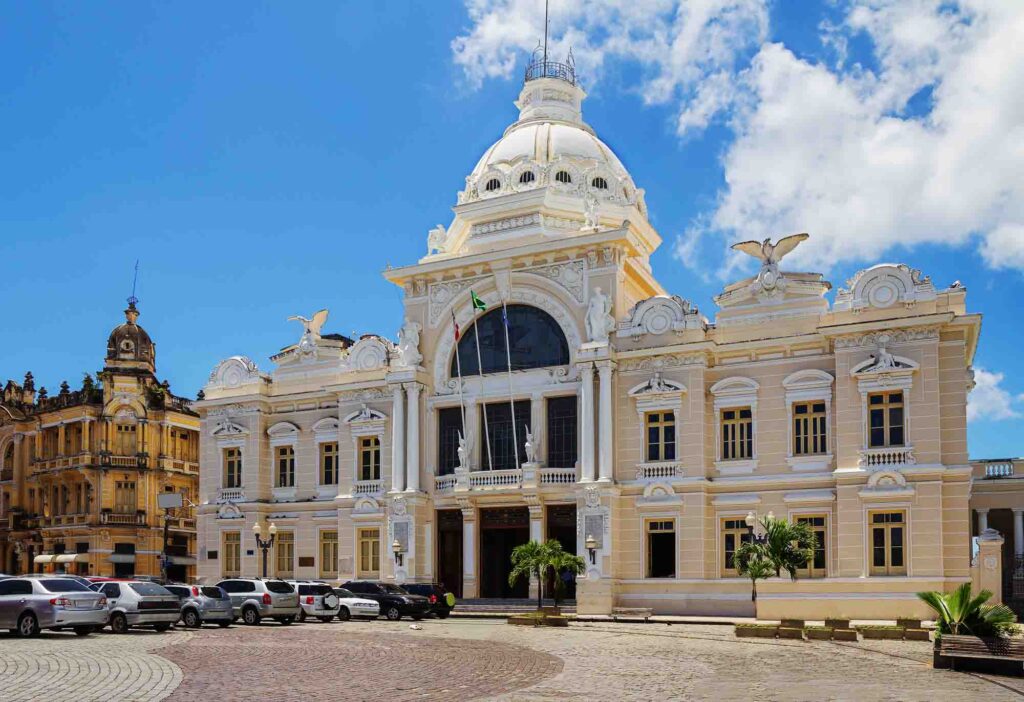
{"x":629,"y":422}
{"x":81,"y":470}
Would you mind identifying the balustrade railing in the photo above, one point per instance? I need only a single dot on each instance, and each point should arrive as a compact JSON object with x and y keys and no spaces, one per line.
{"x":123,"y":518}
{"x":231,"y":495}
{"x":658,"y":471}
{"x":889,"y":456}
{"x":491,"y":479}
{"x":557,"y":476}
{"x":367,"y":487}
{"x":444,"y":483}
{"x":1001,"y":469}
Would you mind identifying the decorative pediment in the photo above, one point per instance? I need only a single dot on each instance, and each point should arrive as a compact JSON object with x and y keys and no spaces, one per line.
{"x":886,"y":483}
{"x":657,"y":495}
{"x":660,"y":315}
{"x":283,"y":430}
{"x":327,"y":425}
{"x":371,"y":352}
{"x":807,"y":379}
{"x":366,"y":505}
{"x":883,"y":369}
{"x":364,"y":414}
{"x":735,"y":391}
{"x":883,"y":286}
{"x":234,"y":372}
{"x":229,"y":510}
{"x":657,"y":385}
{"x":226,"y":427}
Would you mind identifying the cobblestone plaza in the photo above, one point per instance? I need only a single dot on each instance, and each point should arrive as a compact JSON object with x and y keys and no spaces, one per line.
{"x":474,"y":659}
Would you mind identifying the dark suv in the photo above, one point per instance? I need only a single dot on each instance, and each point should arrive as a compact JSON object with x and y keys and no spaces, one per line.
{"x":441,"y":601}
{"x":394,"y":601}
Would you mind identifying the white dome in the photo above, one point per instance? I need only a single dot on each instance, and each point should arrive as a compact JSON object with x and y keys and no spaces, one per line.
{"x":545,"y":143}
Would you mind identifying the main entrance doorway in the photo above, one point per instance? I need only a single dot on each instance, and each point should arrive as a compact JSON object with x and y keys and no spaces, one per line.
{"x":562,"y":528}
{"x":449,"y":550}
{"x":501,"y":530}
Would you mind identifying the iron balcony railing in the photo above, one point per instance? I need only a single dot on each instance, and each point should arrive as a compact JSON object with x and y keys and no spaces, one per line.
{"x":542,"y":68}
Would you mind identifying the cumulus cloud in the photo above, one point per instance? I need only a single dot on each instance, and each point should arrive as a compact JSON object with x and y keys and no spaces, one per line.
{"x":989,"y":400}
{"x":924,"y":145}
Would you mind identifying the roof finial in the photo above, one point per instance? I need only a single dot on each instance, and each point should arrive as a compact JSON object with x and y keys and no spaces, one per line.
{"x":546,"y":31}
{"x":133,"y":300}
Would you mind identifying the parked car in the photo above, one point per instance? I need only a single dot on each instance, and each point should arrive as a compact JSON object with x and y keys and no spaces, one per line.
{"x":254,"y":599}
{"x":138,"y":603}
{"x":28,"y":605}
{"x":70,"y":576}
{"x":394,"y":602}
{"x":203,"y":603}
{"x":441,"y":602}
{"x":349,"y":605}
{"x":316,"y":599}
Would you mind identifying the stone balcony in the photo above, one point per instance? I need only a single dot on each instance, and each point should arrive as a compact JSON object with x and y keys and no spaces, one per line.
{"x":123,"y":518}
{"x":886,"y":457}
{"x":513,"y":479}
{"x":663,"y":470}
{"x":367,"y":487}
{"x":231,"y":495}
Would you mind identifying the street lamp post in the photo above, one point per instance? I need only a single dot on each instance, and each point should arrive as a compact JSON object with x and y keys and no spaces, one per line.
{"x":264,"y":545}
{"x":591,"y":545}
{"x":752,"y":522}
{"x":396,"y":548}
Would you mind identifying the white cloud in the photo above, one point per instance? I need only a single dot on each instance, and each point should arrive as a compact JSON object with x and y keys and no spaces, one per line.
{"x":829,"y":149}
{"x":989,"y":400}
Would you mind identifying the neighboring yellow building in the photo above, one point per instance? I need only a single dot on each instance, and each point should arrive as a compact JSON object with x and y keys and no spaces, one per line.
{"x":997,"y":501}
{"x":637,"y":426}
{"x":80,"y":471}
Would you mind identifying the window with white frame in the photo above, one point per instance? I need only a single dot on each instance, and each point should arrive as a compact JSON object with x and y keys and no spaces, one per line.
{"x":284,"y":466}
{"x":809,"y":408}
{"x":367,"y":427}
{"x":884,"y":381}
{"x":329,"y":463}
{"x":661,"y":548}
{"x":659,"y":403}
{"x":329,"y":553}
{"x":231,"y":457}
{"x":816,"y":566}
{"x":735,"y":406}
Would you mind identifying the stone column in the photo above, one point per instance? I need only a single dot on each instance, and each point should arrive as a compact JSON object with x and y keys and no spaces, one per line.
{"x":1018,"y":532}
{"x":982,"y":520}
{"x":537,"y":423}
{"x":398,"y":439}
{"x":62,"y":432}
{"x":605,"y":456}
{"x":470,"y":586}
{"x":86,"y":443}
{"x":412,"y":449}
{"x":536,"y":534}
{"x":987,"y":573}
{"x":587,"y":422}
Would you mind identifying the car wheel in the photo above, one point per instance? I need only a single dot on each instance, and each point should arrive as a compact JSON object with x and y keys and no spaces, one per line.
{"x":163,"y":626}
{"x":28,"y":625}
{"x":344,"y":615}
{"x":191,"y":619}
{"x":285,"y":621}
{"x":302,"y":616}
{"x":393,"y":614}
{"x":443,"y":614}
{"x":250,"y":616}
{"x":118,"y":623}
{"x":325,"y":619}
{"x":83,"y":630}
{"x":225,"y":625}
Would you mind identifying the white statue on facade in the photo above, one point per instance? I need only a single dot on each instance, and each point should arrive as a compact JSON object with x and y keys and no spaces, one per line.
{"x":532,"y":446}
{"x":364,"y":413}
{"x":658,"y":383}
{"x":311,"y":332}
{"x":463,"y":452}
{"x":409,"y":344}
{"x":591,"y":216}
{"x":883,"y":359}
{"x":770,"y":281}
{"x":436,"y":238}
{"x":599,"y":321}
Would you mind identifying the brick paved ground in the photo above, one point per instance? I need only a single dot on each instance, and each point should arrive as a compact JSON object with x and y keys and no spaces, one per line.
{"x":475,"y":659}
{"x":98,"y":668}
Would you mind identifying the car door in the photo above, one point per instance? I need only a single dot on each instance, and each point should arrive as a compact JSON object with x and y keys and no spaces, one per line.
{"x":113,"y":593}
{"x":9,"y":605}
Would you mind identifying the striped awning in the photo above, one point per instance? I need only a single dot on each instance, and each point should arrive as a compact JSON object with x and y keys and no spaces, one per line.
{"x":122,"y":558}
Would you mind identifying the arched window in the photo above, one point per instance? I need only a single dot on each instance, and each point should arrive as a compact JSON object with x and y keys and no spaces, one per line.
{"x":492,"y":185}
{"x":527,"y":177}
{"x":535,"y":341}
{"x":563,"y":177}
{"x":599,"y":183}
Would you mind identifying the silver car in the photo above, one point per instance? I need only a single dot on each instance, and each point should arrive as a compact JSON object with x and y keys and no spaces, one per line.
{"x":137,"y":603}
{"x":254,"y":599}
{"x":28,"y":605}
{"x":203,"y":603}
{"x":316,"y":599}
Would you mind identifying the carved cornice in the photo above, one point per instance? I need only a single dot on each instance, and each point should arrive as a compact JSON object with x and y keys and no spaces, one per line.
{"x":896,"y":337}
{"x":661,"y":362}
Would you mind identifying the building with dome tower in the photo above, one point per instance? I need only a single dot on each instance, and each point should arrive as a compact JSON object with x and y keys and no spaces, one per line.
{"x":82,"y":469}
{"x":545,"y":385}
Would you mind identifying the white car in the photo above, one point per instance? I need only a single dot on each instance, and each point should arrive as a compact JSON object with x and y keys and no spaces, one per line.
{"x":317,"y":600}
{"x":352,"y":606}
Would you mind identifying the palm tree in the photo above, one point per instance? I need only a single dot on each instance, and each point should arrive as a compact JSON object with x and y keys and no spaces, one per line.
{"x":559,"y":561}
{"x":783,"y":547}
{"x":959,"y":613}
{"x":752,"y":560}
{"x":529,"y":559}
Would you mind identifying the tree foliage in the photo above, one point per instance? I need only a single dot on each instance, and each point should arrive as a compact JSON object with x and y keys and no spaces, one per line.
{"x":784,"y":547}
{"x":960,"y":613}
{"x":539,"y":559}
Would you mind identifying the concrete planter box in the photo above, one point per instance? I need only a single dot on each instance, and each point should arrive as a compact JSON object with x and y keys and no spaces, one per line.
{"x":882,"y":633}
{"x":816,"y":634}
{"x":844,"y":635}
{"x":538,"y":620}
{"x":788,"y":632}
{"x":837,"y":623}
{"x":917,"y":635}
{"x":908,"y":623}
{"x":756,"y":632}
{"x":793,"y":623}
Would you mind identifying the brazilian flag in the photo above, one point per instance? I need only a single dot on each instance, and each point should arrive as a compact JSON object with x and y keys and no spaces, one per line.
{"x":478,"y":304}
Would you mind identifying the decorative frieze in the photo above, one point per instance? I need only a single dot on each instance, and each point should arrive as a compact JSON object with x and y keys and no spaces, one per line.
{"x":895,"y":337}
{"x":661,"y":362}
{"x":569,"y":275}
{"x":504,"y":225}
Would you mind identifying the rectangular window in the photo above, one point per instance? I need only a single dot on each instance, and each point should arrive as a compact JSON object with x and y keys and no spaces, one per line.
{"x":661,"y":436}
{"x":815,"y":567}
{"x":449,"y":425}
{"x":231,"y":564}
{"x":369,"y":458}
{"x":737,"y":434}
{"x":885,"y":419}
{"x":124,"y":440}
{"x":285,"y":475}
{"x":563,"y":424}
{"x":888,"y":543}
{"x":284,"y":554}
{"x":328,"y":554}
{"x":498,"y":429}
{"x":661,"y":549}
{"x":124,"y":497}
{"x":809,"y":428}
{"x":233,"y":467}
{"x":734,"y":533}
{"x":329,"y":463}
{"x":369,"y":553}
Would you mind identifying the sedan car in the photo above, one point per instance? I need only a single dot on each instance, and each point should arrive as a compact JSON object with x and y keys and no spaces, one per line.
{"x":394,"y":602}
{"x":28,"y":605}
{"x":441,"y":602}
{"x":349,"y":605}
{"x":138,"y":603}
{"x":203,"y":603}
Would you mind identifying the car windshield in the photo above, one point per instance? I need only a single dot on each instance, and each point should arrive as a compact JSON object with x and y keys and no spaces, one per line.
{"x":342,"y":592}
{"x":63,"y":585}
{"x":393,"y":589}
{"x":214,"y":592}
{"x":149,"y":589}
{"x":279,"y":586}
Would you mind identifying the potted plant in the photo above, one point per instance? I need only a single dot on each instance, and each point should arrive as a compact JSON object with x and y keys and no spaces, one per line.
{"x":960,"y":614}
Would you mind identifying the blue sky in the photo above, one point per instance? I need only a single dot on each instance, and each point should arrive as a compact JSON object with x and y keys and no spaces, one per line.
{"x":263,"y":160}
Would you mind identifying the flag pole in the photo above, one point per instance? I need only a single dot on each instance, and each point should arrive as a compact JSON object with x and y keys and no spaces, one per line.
{"x":480,"y":371}
{"x":458,"y":367}
{"x":511,"y":398}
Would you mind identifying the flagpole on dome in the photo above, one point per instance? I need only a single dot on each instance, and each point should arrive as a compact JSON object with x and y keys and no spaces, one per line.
{"x":478,"y":304}
{"x":511,"y":397}
{"x":458,"y":367}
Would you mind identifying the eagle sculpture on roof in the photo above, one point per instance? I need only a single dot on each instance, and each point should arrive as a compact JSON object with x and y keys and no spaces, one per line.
{"x":767,"y":252}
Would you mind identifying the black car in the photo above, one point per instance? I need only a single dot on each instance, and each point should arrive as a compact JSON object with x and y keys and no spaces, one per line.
{"x":394,"y":601}
{"x":442,"y":602}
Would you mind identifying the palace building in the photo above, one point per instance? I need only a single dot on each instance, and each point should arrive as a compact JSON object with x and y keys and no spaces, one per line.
{"x":82,"y":469}
{"x":545,"y":385}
